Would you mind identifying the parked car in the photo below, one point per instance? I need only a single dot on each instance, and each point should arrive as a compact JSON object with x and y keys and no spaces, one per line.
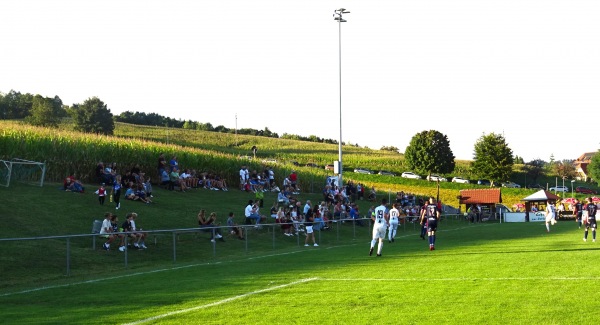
{"x":511,"y":185}
{"x":410,"y":175}
{"x":329,"y":167}
{"x":312,"y":165}
{"x":460,"y":180}
{"x":559,"y":188}
{"x":363,"y":171}
{"x":585,"y":190}
{"x":385,"y":172}
{"x":536,"y":186}
{"x":484,"y":182}
{"x":435,"y":178}
{"x":269,"y":161}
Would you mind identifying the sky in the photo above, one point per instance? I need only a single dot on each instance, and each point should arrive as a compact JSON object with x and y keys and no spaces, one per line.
{"x":526,"y":69}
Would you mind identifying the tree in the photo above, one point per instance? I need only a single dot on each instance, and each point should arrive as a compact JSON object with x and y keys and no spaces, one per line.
{"x":493,"y":158}
{"x":534,"y":169}
{"x":429,"y":152}
{"x":564,"y":169}
{"x":594,"y":168}
{"x":93,"y":116}
{"x":45,"y":111}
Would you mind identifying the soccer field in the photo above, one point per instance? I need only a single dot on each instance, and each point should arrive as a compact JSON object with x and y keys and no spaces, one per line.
{"x":484,"y":273}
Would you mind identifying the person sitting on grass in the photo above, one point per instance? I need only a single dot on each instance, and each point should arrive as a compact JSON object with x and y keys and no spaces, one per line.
{"x":176,"y":180}
{"x":71,"y":184}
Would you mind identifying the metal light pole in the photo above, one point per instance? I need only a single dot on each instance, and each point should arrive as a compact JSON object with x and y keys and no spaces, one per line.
{"x":572,"y":187}
{"x":337,"y":16}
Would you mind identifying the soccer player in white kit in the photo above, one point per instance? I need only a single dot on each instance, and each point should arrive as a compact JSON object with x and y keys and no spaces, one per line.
{"x":550,"y":215}
{"x":380,"y":223}
{"x":394,"y":220}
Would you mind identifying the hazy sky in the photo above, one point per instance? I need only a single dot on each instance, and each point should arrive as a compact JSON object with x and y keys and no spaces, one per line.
{"x":527,"y":69}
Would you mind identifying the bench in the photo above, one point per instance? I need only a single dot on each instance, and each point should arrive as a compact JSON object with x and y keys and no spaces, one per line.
{"x":96,"y":226}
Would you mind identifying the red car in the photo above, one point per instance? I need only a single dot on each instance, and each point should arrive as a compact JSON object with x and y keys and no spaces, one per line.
{"x":584,"y":190}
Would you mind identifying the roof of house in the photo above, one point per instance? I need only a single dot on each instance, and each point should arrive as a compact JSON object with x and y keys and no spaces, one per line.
{"x":586,"y":157}
{"x":480,"y":196}
{"x":542,"y":195}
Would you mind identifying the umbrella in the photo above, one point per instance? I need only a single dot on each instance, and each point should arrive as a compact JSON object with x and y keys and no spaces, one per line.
{"x":519,"y":205}
{"x":569,"y":201}
{"x":595,"y":199}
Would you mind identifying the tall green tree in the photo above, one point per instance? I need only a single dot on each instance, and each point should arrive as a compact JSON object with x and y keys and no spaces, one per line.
{"x":493,"y":158}
{"x":594,"y":168}
{"x":93,"y":116}
{"x":534,"y":169}
{"x":45,"y":111}
{"x":429,"y":152}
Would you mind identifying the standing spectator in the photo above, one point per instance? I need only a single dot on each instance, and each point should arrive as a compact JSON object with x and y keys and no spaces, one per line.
{"x":117,"y":192}
{"x":173,"y":163}
{"x":394,"y":220}
{"x":308,"y":225}
{"x":106,"y":231}
{"x":589,"y":221}
{"x":550,"y":215}
{"x":271,"y":175}
{"x":244,"y":177}
{"x":101,"y":194}
{"x":432,"y":215}
{"x":294,"y":182}
{"x":380,"y":224}
{"x":162,"y":164}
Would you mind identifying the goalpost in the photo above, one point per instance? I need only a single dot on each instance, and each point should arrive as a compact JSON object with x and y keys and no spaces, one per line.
{"x":21,"y":170}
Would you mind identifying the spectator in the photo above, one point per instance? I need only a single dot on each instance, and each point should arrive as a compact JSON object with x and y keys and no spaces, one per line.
{"x":71,"y":184}
{"x":283,"y":218}
{"x":233,"y":228}
{"x":117,"y":192}
{"x":107,"y":231}
{"x":210,"y":225}
{"x":294,"y":182}
{"x":101,"y":192}
{"x":162,"y":164}
{"x":176,"y":181}
{"x":148,"y":187}
{"x":128,"y":228}
{"x":114,"y":221}
{"x":282,"y":198}
{"x":165,"y":179}
{"x":142,"y":241}
{"x":355,"y":215}
{"x":252,"y":212}
{"x":173,"y":163}
{"x":244,"y":178}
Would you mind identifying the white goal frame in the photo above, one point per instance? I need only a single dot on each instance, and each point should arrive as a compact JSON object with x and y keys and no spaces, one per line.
{"x":17,"y":161}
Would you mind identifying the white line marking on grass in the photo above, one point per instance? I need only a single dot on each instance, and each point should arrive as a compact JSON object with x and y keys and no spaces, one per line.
{"x":220,"y":302}
{"x":466,"y":279}
{"x":104,"y":279}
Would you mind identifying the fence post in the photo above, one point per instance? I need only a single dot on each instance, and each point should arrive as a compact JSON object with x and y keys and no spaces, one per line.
{"x":174,"y":248}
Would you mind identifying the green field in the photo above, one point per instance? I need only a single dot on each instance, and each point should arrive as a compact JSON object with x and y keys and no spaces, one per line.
{"x":483,"y":273}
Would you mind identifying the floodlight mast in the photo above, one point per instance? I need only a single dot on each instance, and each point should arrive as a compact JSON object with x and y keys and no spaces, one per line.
{"x":338,"y":16}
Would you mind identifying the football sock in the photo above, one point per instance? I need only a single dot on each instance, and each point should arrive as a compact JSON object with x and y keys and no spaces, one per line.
{"x":430,"y":240}
{"x":380,"y":247}
{"x":433,"y":241}
{"x":585,"y":233}
{"x":373,"y":242}
{"x":548,"y":226}
{"x":594,"y":234}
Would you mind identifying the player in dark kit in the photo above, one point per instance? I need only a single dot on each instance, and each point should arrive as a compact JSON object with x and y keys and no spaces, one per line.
{"x":432,"y":215}
{"x":577,"y":211}
{"x":590,"y":220}
{"x":422,"y":213}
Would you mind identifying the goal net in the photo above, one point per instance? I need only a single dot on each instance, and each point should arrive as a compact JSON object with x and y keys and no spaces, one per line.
{"x":22,"y":171}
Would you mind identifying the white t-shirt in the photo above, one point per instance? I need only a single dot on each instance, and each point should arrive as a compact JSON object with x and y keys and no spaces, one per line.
{"x":394,"y":215}
{"x":248,"y":210}
{"x":106,"y":224}
{"x":380,"y":216}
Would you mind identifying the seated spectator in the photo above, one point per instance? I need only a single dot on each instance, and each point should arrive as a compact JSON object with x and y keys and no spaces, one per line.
{"x":233,"y":228}
{"x":142,"y":242}
{"x":372,"y":194}
{"x":283,"y":218}
{"x":114,"y":221}
{"x":128,"y":228}
{"x":355,"y":214}
{"x":210,"y":225}
{"x":139,"y":192}
{"x":176,"y":180}
{"x":102,"y":176}
{"x":148,"y":187}
{"x":165,"y":180}
{"x":252,"y":212}
{"x":71,"y":184}
{"x":297,"y":220}
{"x":106,"y":231}
{"x":282,"y":198}
{"x":274,"y":210}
